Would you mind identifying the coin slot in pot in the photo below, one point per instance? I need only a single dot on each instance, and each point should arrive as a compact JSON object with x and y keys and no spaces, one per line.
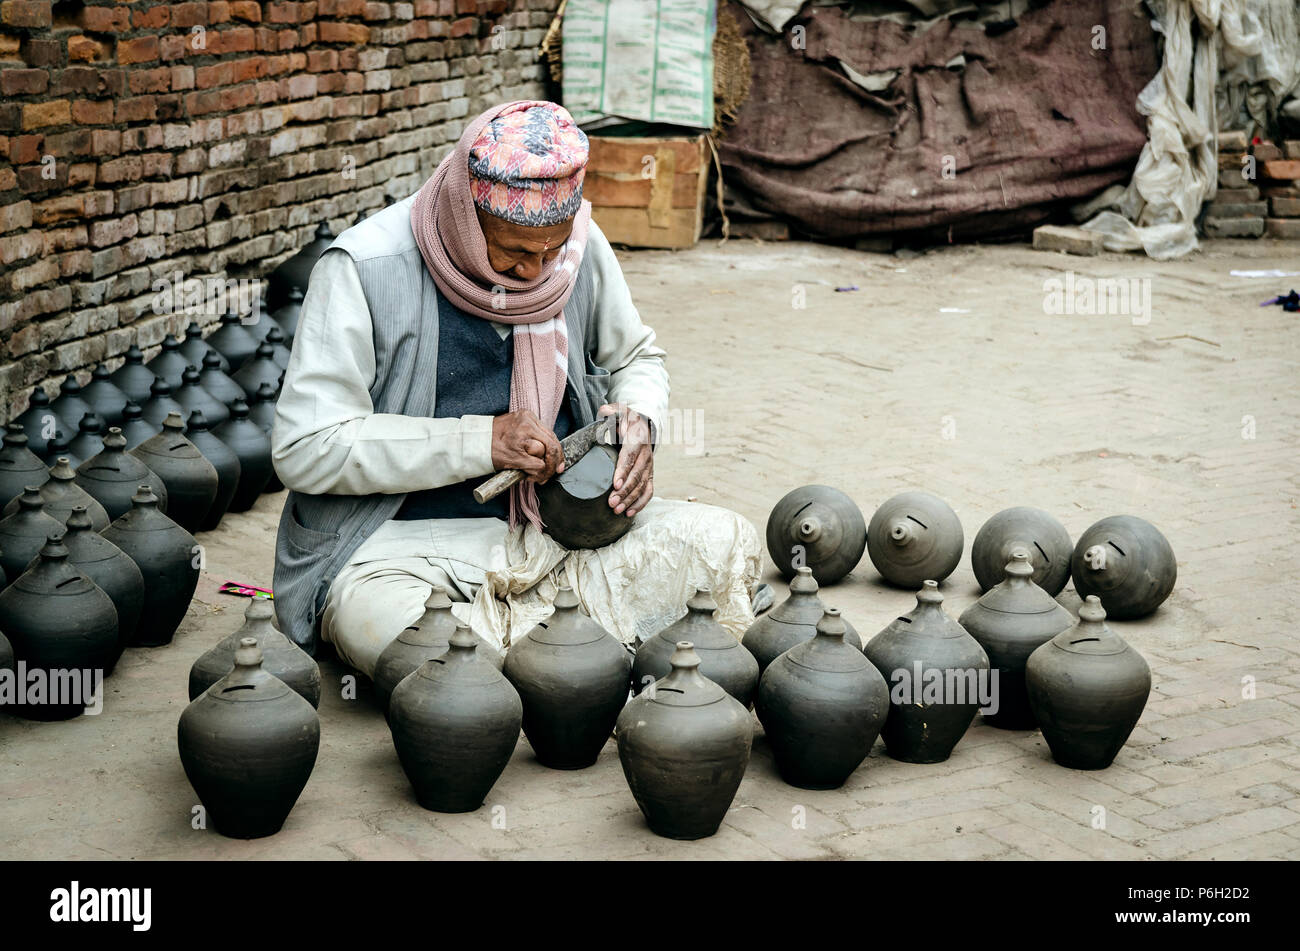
{"x":67,"y":582}
{"x":240,"y":687}
{"x":1046,"y":559}
{"x":918,"y":521}
{"x":1085,"y":640}
{"x":1117,"y":548}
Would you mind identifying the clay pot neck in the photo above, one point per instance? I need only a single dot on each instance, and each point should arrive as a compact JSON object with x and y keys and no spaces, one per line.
{"x":31,"y":499}
{"x":174,"y":423}
{"x":462,"y":647}
{"x":830,"y":629}
{"x":144,"y":498}
{"x":437,"y":599}
{"x":803,"y":583}
{"x":114,"y":441}
{"x":1019,"y":569}
{"x":902,"y":532}
{"x":929,"y":600}
{"x":702,"y":603}
{"x":1095,"y":558}
{"x":79,"y":520}
{"x":63,"y":470}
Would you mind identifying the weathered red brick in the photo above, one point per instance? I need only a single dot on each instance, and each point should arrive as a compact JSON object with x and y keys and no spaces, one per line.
{"x":218,"y":12}
{"x":82,"y":173}
{"x":40,"y":52}
{"x":37,"y":115}
{"x":189,"y":14}
{"x":152,"y":19}
{"x":129,"y":168}
{"x":25,"y":13}
{"x":143,"y":49}
{"x":343,"y":33}
{"x":150,"y":80}
{"x":107,"y":19}
{"x":136,"y":109}
{"x":466,"y":26}
{"x":82,"y":49}
{"x":24,"y":149}
{"x":86,"y":112}
{"x":23,"y":82}
{"x":247,"y":10}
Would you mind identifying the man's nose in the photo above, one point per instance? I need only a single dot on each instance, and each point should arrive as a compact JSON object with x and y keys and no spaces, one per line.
{"x":529,"y":268}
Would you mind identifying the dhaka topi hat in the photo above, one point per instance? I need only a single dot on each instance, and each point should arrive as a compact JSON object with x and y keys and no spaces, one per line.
{"x":527,"y":165}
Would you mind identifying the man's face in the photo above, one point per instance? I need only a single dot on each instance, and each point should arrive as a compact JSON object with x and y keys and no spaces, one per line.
{"x":518,"y":250}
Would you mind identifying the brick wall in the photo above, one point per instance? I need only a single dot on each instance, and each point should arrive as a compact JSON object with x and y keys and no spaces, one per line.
{"x":139,"y":139}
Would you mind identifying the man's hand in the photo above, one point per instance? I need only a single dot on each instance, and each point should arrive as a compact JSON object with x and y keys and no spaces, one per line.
{"x":520,"y":441}
{"x":634,"y":477}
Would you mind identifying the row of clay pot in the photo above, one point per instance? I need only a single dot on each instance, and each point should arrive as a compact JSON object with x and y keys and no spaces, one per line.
{"x":916,"y":536}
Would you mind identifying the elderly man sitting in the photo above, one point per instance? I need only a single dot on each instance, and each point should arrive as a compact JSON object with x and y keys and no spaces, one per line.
{"x":456,"y":333}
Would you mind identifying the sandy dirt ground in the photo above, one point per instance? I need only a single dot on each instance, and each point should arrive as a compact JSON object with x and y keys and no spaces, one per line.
{"x":945,"y":372}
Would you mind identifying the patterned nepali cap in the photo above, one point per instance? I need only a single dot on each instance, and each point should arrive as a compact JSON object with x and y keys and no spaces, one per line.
{"x":528,"y":163}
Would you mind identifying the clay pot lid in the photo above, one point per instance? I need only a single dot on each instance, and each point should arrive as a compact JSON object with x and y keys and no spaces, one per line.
{"x":248,"y":682}
{"x":827,"y":652}
{"x":684,"y":686}
{"x":928,"y":618}
{"x":699,"y":625}
{"x":171,"y":442}
{"x":568,"y":626}
{"x":1017,"y":593}
{"x":1090,"y":635}
{"x":461,"y":663}
{"x":435,"y":625}
{"x":803,"y":606}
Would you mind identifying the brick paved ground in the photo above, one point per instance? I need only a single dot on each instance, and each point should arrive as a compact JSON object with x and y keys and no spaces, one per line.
{"x":1083,"y":416}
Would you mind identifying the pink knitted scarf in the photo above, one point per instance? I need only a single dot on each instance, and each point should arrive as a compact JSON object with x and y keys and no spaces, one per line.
{"x":451,"y":242}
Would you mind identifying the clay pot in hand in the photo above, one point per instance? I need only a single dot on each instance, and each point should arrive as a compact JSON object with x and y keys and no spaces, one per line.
{"x":190,"y":479}
{"x":133,"y":378}
{"x":161,"y":404}
{"x":281,"y":657}
{"x":279,"y":349}
{"x":194,"y":398}
{"x":574,"y":505}
{"x":170,"y":363}
{"x":19,"y":466}
{"x":112,"y":477}
{"x":722,"y":658}
{"x":914,"y":537}
{"x":819,"y":527}
{"x":61,"y":493}
{"x":253,"y":447}
{"x":791,"y":622}
{"x":69,"y":405}
{"x":1034,"y":530}
{"x":109,"y":567}
{"x":294,"y":273}
{"x":233,"y":342}
{"x":40,"y":422}
{"x":167,"y":556}
{"x":258,"y":369}
{"x":1087,"y":688}
{"x":427,"y":638}
{"x":455,"y":722}
{"x":1010,"y":622}
{"x":684,"y":746}
{"x":289,"y":313}
{"x":822,"y":705}
{"x":89,"y":440}
{"x":57,"y":619}
{"x":104,"y":396}
{"x":224,"y":461}
{"x":24,"y":533}
{"x":1127,"y":563}
{"x":248,"y":745}
{"x":217,"y":382}
{"x":572,"y":677}
{"x":135,"y":428}
{"x":935,"y":671}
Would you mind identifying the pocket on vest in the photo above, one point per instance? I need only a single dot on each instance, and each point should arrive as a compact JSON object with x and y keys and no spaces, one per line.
{"x":596,"y":382}
{"x":306,"y":540}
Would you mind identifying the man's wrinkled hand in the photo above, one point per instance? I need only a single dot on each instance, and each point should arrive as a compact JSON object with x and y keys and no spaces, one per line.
{"x":634,"y":477}
{"x":520,"y":441}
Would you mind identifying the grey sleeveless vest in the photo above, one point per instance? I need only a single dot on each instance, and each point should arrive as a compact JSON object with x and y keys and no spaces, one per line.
{"x":319,"y":533}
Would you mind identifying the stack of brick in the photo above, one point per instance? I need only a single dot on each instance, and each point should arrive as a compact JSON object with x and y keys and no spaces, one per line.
{"x":209,"y":138}
{"x":1237,"y":210}
{"x":1279,"y":183}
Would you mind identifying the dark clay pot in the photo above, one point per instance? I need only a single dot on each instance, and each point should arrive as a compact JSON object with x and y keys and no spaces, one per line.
{"x":135,"y":428}
{"x":109,"y":567}
{"x":69,"y":405}
{"x":722,"y":658}
{"x":1088,"y":689}
{"x":928,"y":649}
{"x":262,"y":411}
{"x":294,"y":273}
{"x":194,"y":348}
{"x":427,"y":638}
{"x":167,"y":556}
{"x":914,"y":537}
{"x":279,"y":349}
{"x":791,"y":622}
{"x":133,"y":378}
{"x":190,"y":479}
{"x":19,"y":466}
{"x":822,"y":705}
{"x":819,"y":527}
{"x":24,"y":533}
{"x":161,"y":404}
{"x":1127,"y":563}
{"x":281,"y":657}
{"x":253,"y":447}
{"x":264,"y":324}
{"x":217,"y":382}
{"x":225,"y":462}
{"x":89,"y":440}
{"x":1010,"y":622}
{"x":572,"y":677}
{"x":170,"y":363}
{"x":6,"y":654}
{"x":684,"y":746}
{"x":60,"y":447}
{"x":258,"y":369}
{"x":194,"y":398}
{"x":455,"y":722}
{"x":575,"y":504}
{"x":61,"y":493}
{"x":288,"y":314}
{"x":39,"y":421}
{"x":113,"y":476}
{"x":57,"y":619}
{"x":248,"y":745}
{"x":233,"y":342}
{"x":1034,"y":530}
{"x":104,"y":396}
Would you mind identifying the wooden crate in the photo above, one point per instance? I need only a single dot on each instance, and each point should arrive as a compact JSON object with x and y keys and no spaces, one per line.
{"x":648,"y":192}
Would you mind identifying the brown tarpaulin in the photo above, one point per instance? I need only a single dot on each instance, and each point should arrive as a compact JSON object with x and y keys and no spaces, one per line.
{"x":1036,"y":118}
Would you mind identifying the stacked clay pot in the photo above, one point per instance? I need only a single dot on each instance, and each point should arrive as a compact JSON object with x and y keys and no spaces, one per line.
{"x":24,"y":533}
{"x":253,"y":448}
{"x":818,"y":527}
{"x":190,"y":479}
{"x":61,"y":494}
{"x":791,"y":622}
{"x":455,"y":722}
{"x":248,"y":744}
{"x":914,"y":650}
{"x":281,"y":657}
{"x":684,"y":745}
{"x":223,"y":460}
{"x":575,"y":504}
{"x":19,"y":466}
{"x":1010,"y":622}
{"x":168,"y":558}
{"x":111,"y":569}
{"x":113,"y":476}
{"x":914,"y":537}
{"x":1087,"y":688}
{"x":1127,"y":563}
{"x":1034,"y":530}
{"x":722,"y":658}
{"x":822,"y":705}
{"x":571,"y":675}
